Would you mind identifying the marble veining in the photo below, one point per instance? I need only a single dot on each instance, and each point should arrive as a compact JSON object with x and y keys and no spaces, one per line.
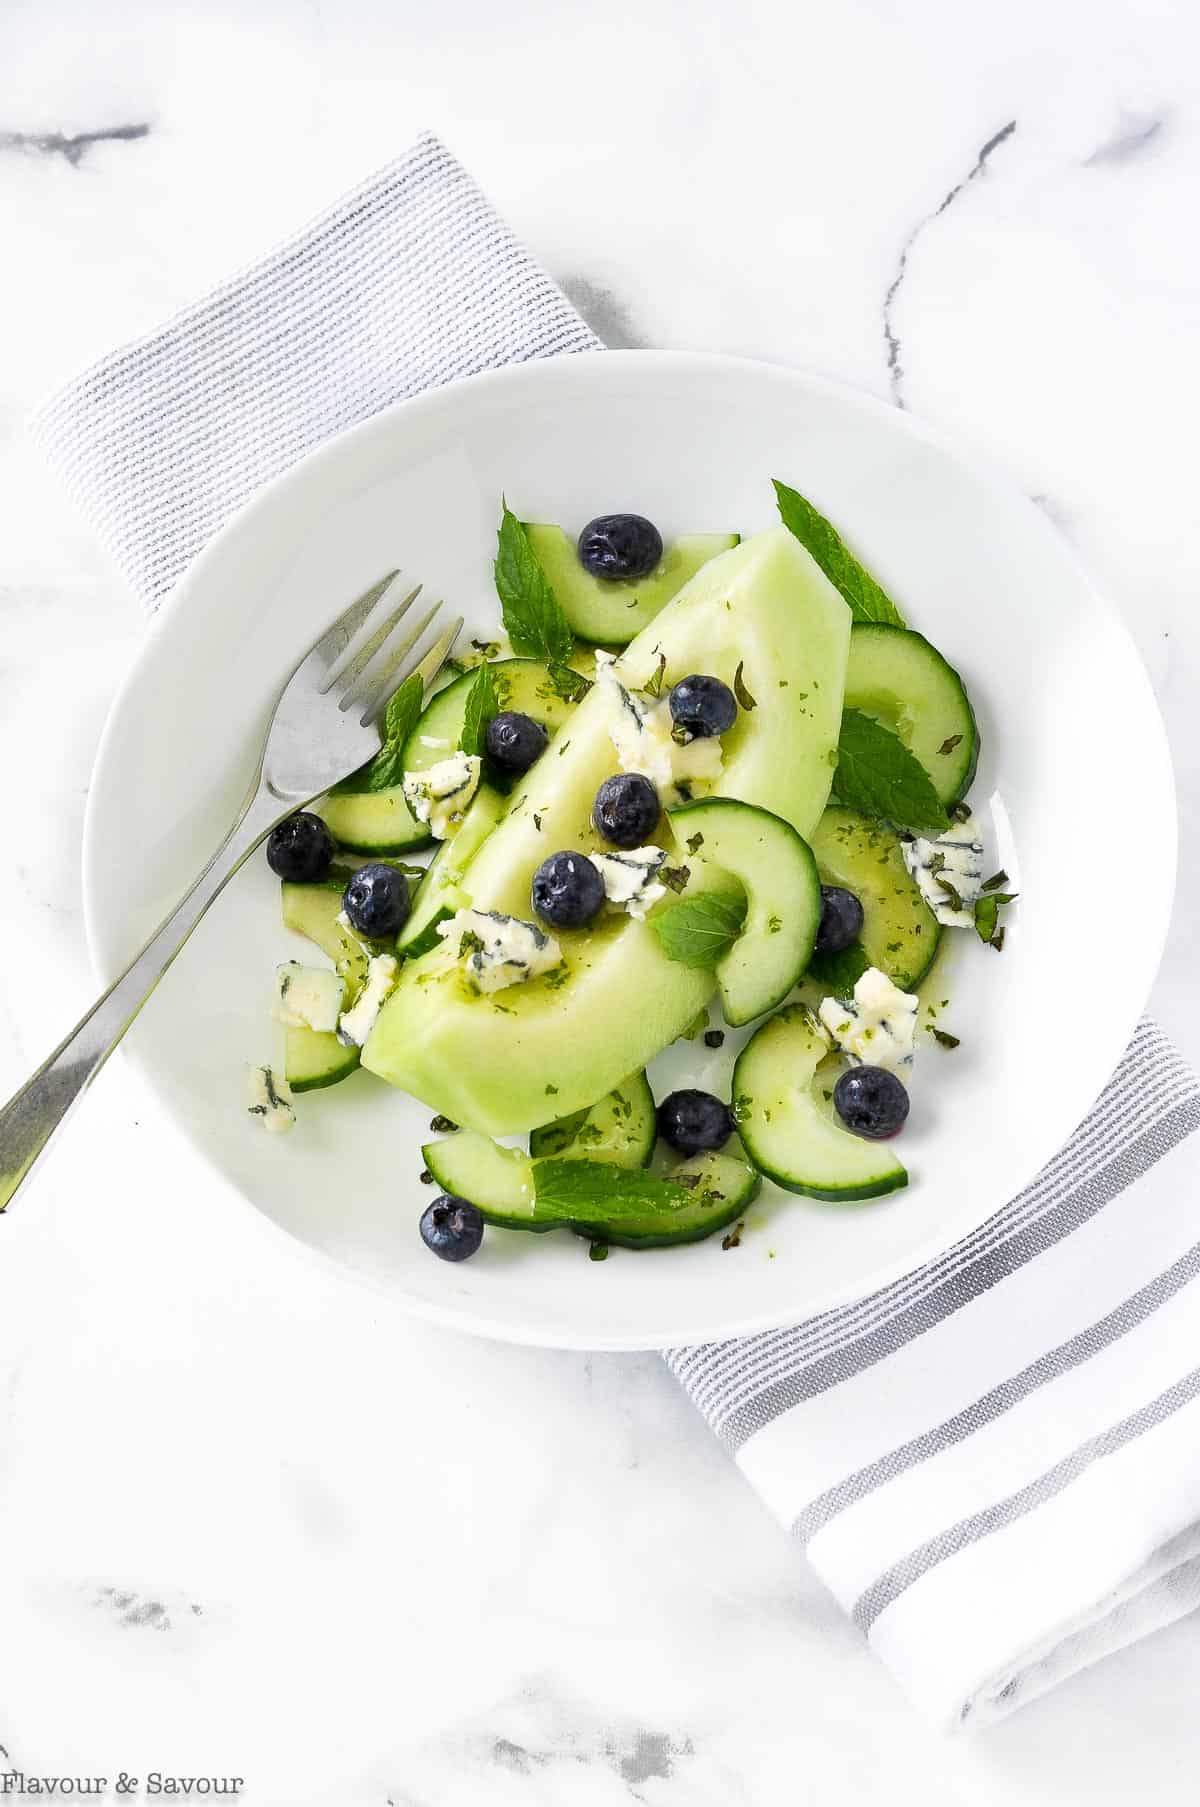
{"x":74,"y":146}
{"x":891,"y":335}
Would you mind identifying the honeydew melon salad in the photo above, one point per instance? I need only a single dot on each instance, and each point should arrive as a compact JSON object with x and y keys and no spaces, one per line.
{"x":719,"y":774}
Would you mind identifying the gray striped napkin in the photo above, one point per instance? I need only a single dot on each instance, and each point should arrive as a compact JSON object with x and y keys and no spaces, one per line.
{"x":410,"y":282}
{"x":995,"y":1462}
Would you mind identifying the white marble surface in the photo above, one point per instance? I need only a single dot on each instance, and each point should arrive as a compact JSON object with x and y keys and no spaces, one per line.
{"x":252,"y":1527}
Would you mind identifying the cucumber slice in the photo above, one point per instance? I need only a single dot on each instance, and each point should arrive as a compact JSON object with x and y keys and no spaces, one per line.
{"x":610,"y":614}
{"x":520,"y":684}
{"x":904,"y":682}
{"x":373,"y":821}
{"x":900,"y":933}
{"x":313,"y":910}
{"x":790,"y":1135}
{"x":312,"y":1059}
{"x":621,"y":1128}
{"x":441,"y":891}
{"x":722,"y":1189}
{"x":499,"y":1182}
{"x":778,"y":873}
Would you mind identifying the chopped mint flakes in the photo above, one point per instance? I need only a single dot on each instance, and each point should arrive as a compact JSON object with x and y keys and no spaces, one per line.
{"x":745,"y":700}
{"x":987,"y":917}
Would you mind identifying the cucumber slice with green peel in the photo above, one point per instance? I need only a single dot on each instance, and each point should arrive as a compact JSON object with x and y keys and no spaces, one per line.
{"x":502,"y":1185}
{"x":524,"y":685}
{"x":312,"y":1059}
{"x":498,"y":1181}
{"x":788,"y":1132}
{"x":900,"y":933}
{"x":441,"y":892}
{"x":313,"y":910}
{"x":897,"y":677}
{"x":621,"y":1129}
{"x":608,"y":613}
{"x":719,"y":1189}
{"x":373,"y":821}
{"x":778,"y":874}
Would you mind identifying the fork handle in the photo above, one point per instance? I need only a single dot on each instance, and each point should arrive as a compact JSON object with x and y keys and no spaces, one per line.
{"x":31,"y":1117}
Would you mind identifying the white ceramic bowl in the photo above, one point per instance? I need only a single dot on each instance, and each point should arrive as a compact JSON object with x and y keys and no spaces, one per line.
{"x":1073,"y":756}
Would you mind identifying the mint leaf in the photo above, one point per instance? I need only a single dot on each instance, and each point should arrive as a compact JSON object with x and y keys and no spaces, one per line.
{"x":481,"y":707}
{"x":598,"y":1192}
{"x":533,"y":620}
{"x":570,"y":685}
{"x":867,"y":601}
{"x":839,"y":973}
{"x":700,"y":929}
{"x":877,"y":775}
{"x":387,"y":767}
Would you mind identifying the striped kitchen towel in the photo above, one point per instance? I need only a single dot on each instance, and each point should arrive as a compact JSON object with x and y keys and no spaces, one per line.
{"x":995,"y":1462}
{"x":409,"y":282}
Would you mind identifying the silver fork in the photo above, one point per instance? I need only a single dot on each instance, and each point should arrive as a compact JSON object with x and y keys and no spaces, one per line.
{"x":323,"y":728}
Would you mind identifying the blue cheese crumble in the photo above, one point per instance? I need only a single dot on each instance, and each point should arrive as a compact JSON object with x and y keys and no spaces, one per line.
{"x":630,"y":879}
{"x":307,"y":997}
{"x":269,"y":1100}
{"x":647,"y":741}
{"x":956,"y":859}
{"x":440,"y":794}
{"x":498,"y":950}
{"x":357,"y":1023}
{"x":875,"y":1028}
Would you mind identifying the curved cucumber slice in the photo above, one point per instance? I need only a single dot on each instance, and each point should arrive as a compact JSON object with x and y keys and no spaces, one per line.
{"x":502,"y":1184}
{"x":900,"y":933}
{"x":790,"y":1136}
{"x":441,"y":891}
{"x":610,"y":614}
{"x":497,"y":1181}
{"x":904,"y":682}
{"x":312,"y":1059}
{"x":621,"y":1128}
{"x":373,"y":821}
{"x":778,"y":873}
{"x":313,"y":910}
{"x":520,"y":684}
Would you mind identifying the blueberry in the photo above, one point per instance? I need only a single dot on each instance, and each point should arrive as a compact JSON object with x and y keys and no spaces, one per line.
{"x":871,"y":1101}
{"x":376,"y":901}
{"x":567,"y":890}
{"x":300,"y":849}
{"x":841,"y":920}
{"x":620,"y":546}
{"x":513,"y":741}
{"x":451,"y":1227}
{"x":703,"y":705}
{"x":626,"y":809}
{"x":694,"y":1122}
